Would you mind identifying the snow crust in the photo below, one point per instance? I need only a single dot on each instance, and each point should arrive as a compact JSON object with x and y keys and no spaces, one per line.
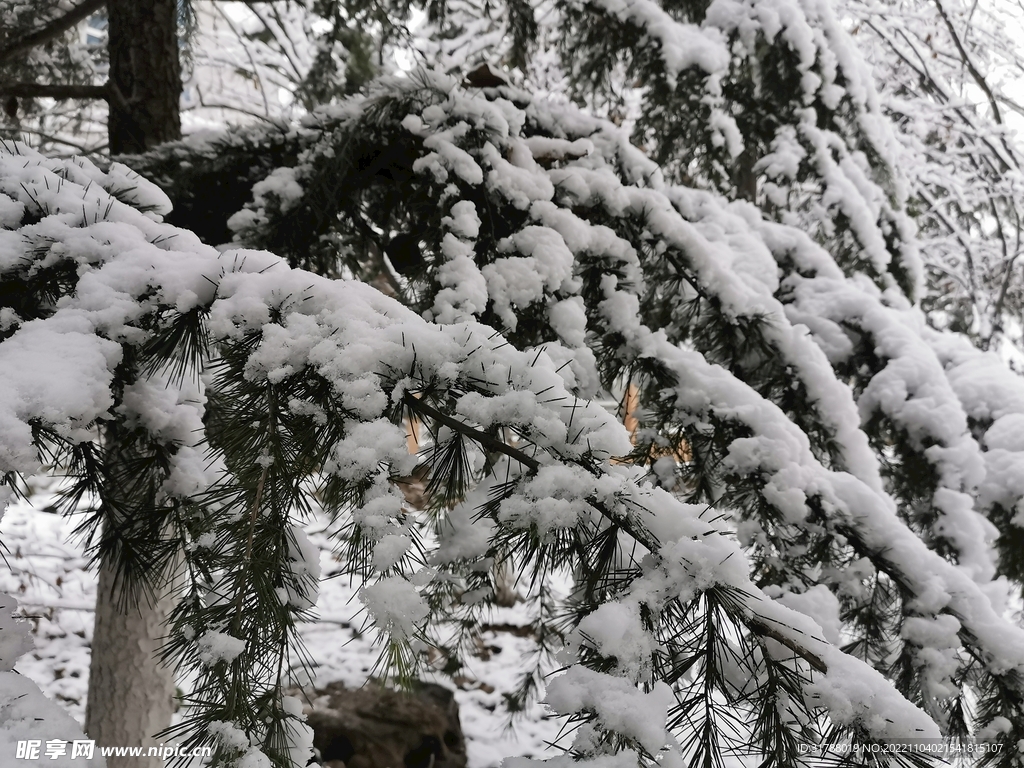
{"x":26,"y":714}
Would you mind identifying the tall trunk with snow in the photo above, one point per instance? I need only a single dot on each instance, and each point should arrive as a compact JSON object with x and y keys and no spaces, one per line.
{"x":130,"y":694}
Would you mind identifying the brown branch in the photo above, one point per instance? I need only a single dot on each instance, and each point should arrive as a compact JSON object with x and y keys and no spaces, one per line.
{"x":108,"y":92}
{"x":41,"y":90}
{"x":488,"y":441}
{"x":34,"y":39}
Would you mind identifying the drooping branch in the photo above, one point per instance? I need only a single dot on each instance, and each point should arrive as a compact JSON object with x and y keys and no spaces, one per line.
{"x":26,"y":43}
{"x":757,"y":625}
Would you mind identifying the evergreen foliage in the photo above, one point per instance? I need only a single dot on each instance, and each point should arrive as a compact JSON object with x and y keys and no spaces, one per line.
{"x":808,"y":538}
{"x":712,"y":298}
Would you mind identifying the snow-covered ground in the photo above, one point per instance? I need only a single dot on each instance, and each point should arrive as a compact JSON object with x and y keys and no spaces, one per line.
{"x":47,"y":572}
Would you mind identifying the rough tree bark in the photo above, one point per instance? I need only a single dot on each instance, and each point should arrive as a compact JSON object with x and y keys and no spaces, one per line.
{"x":130,"y":693}
{"x":131,"y":696}
{"x":146,"y":68}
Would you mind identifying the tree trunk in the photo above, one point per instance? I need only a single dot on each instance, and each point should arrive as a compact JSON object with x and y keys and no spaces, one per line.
{"x":145,"y":66}
{"x":744,"y":177}
{"x":131,"y":695}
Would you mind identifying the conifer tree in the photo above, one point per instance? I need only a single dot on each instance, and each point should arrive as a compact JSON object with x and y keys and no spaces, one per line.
{"x":799,"y":544}
{"x":704,"y":274}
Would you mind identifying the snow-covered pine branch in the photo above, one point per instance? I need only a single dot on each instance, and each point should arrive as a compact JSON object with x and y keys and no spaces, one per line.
{"x":814,"y":405}
{"x":302,"y":357}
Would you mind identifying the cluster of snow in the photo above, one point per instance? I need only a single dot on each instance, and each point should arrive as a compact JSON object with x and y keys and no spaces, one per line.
{"x":217,"y":647}
{"x":619,"y":706}
{"x":233,"y":740}
{"x":463,"y":288}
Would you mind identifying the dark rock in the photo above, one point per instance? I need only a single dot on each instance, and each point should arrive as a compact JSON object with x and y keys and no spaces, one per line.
{"x":484,"y":77}
{"x":375,"y":727}
{"x":404,"y":254}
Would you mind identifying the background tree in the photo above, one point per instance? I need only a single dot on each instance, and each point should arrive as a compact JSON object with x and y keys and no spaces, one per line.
{"x":132,"y":696}
{"x":44,"y":54}
{"x":947,"y":72}
{"x":234,"y":61}
{"x":789,"y":389}
{"x":143,"y":72}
